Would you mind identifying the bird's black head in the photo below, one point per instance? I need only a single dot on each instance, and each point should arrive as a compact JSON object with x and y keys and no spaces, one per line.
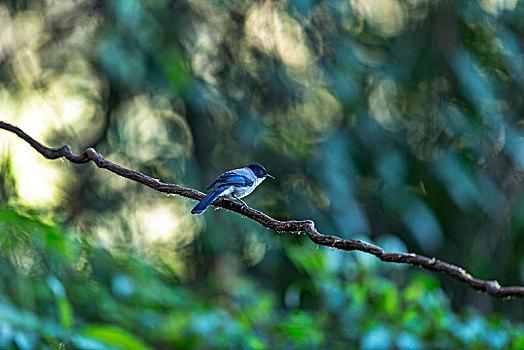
{"x":259,"y":170}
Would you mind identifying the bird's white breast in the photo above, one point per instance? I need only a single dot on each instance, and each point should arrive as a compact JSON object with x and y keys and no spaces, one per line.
{"x":241,"y":192}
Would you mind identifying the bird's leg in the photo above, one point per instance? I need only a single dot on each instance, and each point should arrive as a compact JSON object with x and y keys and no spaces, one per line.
{"x":244,"y":205}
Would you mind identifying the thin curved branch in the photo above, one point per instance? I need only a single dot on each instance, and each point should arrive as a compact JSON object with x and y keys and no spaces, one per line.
{"x":491,"y":287}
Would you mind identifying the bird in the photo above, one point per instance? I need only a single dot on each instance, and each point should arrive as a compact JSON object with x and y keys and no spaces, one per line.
{"x":234,"y":184}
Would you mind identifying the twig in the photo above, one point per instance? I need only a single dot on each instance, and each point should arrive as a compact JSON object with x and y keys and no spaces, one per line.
{"x":491,"y":287}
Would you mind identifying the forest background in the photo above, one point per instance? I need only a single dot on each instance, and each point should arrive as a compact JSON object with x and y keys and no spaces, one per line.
{"x":398,"y":122}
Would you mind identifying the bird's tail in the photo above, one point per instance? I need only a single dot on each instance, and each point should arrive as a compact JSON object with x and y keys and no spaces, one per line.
{"x":206,"y":202}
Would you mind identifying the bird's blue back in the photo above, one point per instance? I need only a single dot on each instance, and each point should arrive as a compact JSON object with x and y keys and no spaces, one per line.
{"x":234,"y":178}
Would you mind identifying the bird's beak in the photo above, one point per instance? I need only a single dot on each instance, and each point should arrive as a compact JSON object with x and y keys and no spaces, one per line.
{"x":267,"y":175}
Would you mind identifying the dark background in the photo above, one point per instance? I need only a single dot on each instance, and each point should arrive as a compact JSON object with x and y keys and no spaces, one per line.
{"x":393,"y":121}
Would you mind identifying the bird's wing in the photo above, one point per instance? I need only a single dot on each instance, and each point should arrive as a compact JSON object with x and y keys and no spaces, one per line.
{"x":231,"y":179}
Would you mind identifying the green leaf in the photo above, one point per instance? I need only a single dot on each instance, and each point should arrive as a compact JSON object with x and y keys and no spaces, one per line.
{"x":66,"y":313}
{"x":116,"y":336}
{"x":391,"y":300}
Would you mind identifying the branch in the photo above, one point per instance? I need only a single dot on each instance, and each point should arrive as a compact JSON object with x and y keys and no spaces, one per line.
{"x":491,"y":287}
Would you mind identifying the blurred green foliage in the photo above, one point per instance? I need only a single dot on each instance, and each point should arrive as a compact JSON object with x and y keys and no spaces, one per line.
{"x":59,"y":287}
{"x":394,"y":121}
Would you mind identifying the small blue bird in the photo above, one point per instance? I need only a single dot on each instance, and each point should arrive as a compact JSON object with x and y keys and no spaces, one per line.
{"x":233,"y":184}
